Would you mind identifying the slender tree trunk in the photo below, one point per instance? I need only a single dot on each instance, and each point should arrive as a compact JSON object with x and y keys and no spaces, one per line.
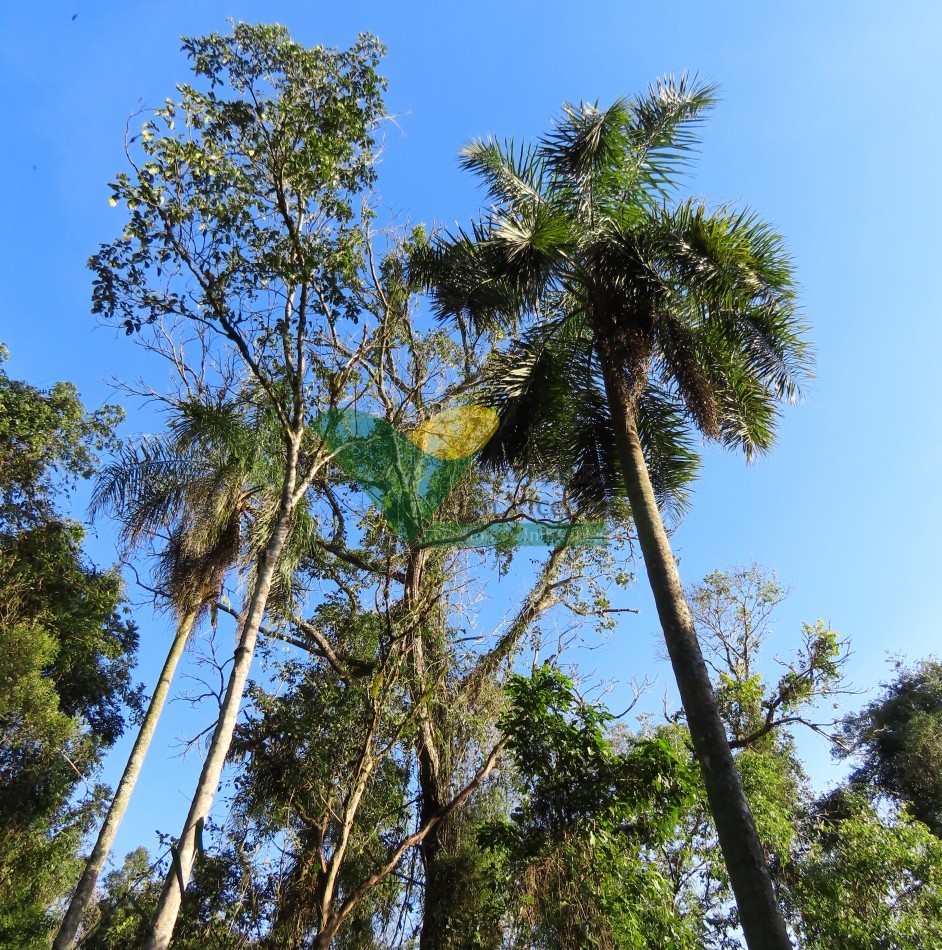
{"x":443,"y":895}
{"x":759,"y":912}
{"x":96,"y":860}
{"x":181,"y":864}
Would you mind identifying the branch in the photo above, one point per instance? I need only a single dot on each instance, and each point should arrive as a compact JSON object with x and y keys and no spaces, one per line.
{"x":361,"y":561}
{"x":540,"y":599}
{"x":418,"y":836}
{"x":347,"y":667}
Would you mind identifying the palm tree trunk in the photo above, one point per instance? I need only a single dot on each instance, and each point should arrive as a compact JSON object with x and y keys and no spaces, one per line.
{"x":760,"y":915}
{"x":183,"y":855}
{"x":96,"y":860}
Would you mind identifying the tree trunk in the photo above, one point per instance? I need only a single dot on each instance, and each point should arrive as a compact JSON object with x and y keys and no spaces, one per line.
{"x":760,"y":916}
{"x":438,"y":900}
{"x":181,"y":864}
{"x":436,"y":905}
{"x":96,"y":860}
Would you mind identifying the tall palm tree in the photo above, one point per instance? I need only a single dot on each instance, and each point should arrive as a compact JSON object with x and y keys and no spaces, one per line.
{"x":192,"y":486}
{"x":637,"y":321}
{"x":282,"y":534}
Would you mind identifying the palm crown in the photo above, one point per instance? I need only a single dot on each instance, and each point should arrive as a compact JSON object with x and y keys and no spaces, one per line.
{"x":643,"y":320}
{"x":583,"y":247}
{"x":208,"y":487}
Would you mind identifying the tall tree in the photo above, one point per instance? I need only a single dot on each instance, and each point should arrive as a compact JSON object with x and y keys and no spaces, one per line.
{"x":188,"y":492}
{"x":398,"y":709}
{"x":734,"y":614}
{"x":394,"y":671}
{"x":245,"y":220}
{"x":642,"y":320}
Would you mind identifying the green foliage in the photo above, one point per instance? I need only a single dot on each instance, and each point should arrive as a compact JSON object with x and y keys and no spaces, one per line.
{"x":849,"y":874}
{"x":695,"y":307}
{"x":568,"y":769}
{"x":34,"y":777}
{"x":66,"y":658}
{"x":573,"y":852}
{"x":465,"y":903}
{"x":248,"y":185}
{"x":899,"y":738}
{"x":245,"y":194}
{"x":300,"y":752}
{"x":865,"y":883}
{"x":119,"y":918}
{"x":733,"y":611}
{"x":46,"y":581}
{"x":48,"y":440}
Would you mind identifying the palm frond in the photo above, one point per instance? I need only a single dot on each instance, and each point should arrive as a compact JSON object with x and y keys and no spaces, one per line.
{"x":778,"y":351}
{"x":731,"y":258}
{"x":511,"y":173}
{"x":747,"y":409}
{"x":524,"y":244}
{"x":230,"y":432}
{"x":669,"y":450}
{"x":663,"y":128}
{"x":144,"y":488}
{"x":733,"y":269}
{"x":531,"y":385}
{"x":300,"y":545}
{"x":585,"y":142}
{"x":594,"y":473}
{"x":457,"y":271}
{"x":680,"y":360}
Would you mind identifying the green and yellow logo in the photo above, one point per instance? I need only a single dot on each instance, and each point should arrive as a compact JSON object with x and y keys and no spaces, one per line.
{"x":410,"y":474}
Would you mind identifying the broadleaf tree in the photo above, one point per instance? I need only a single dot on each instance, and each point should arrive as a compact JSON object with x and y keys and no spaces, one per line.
{"x":67,"y":654}
{"x":247,"y":200}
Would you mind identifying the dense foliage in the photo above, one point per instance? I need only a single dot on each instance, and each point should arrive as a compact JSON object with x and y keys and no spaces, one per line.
{"x":898,"y":739}
{"x":67,"y":653}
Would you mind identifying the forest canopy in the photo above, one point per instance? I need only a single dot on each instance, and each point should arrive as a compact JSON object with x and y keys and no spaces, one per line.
{"x":400,"y":483}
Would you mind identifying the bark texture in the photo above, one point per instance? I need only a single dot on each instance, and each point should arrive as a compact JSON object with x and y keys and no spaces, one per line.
{"x":759,"y":912}
{"x":433,"y":785}
{"x":122,"y":796}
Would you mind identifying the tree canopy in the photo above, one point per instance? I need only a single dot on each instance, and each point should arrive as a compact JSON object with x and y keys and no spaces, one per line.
{"x":360,"y":427}
{"x":66,"y":687}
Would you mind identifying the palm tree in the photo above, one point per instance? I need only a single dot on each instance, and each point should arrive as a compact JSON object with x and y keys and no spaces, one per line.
{"x":282,"y":534}
{"x":637,"y":321}
{"x":193,"y":486}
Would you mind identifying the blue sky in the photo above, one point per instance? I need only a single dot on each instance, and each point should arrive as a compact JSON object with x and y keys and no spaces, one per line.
{"x":829,"y":125}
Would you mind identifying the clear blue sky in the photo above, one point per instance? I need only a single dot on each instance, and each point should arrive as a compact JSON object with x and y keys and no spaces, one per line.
{"x":829,"y":126}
